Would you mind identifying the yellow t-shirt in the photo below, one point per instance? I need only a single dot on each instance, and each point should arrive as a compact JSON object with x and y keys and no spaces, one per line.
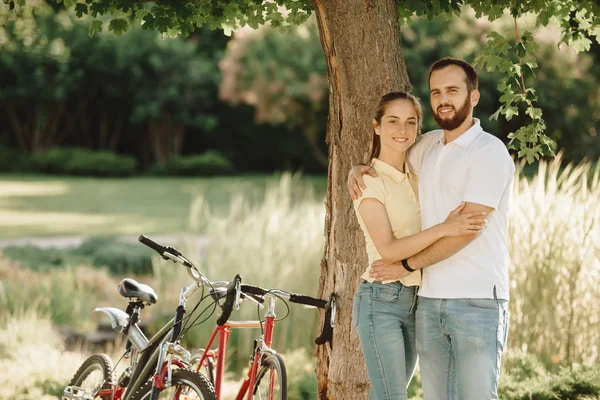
{"x":398,"y":192}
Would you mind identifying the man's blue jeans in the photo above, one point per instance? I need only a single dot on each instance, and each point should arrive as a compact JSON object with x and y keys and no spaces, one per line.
{"x":384,"y":317}
{"x":460,"y":344}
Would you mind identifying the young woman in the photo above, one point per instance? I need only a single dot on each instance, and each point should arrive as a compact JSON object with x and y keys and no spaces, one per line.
{"x":388,"y":212}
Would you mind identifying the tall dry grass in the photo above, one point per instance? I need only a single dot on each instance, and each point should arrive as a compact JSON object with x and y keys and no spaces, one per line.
{"x":276,"y":243}
{"x":555,"y":271}
{"x":33,"y":361}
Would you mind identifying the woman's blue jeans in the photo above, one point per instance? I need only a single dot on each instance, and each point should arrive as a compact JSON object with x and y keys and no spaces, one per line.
{"x":384,"y":317}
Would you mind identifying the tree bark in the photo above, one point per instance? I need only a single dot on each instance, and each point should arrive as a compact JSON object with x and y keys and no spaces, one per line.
{"x":361,"y":42}
{"x":166,"y":138}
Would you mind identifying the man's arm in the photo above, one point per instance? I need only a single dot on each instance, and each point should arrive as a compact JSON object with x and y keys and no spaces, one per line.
{"x":447,"y":246}
{"x":391,"y":270}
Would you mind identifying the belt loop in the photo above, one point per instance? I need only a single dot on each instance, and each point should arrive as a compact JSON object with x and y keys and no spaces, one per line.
{"x":495,"y":296}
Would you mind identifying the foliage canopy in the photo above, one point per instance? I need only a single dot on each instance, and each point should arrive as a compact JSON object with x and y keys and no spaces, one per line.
{"x":579,"y":21}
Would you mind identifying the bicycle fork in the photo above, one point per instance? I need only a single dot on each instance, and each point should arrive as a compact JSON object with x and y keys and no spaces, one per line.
{"x":263,"y":346}
{"x":171,"y":353}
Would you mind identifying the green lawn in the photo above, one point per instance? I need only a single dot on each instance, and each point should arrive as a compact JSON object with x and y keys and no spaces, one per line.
{"x":47,"y":206}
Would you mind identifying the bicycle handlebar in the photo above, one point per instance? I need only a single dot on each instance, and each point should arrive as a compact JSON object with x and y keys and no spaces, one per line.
{"x":329,"y":306}
{"x":235,"y":289}
{"x":160,"y":249}
{"x":230,"y":298}
{"x":164,"y":251}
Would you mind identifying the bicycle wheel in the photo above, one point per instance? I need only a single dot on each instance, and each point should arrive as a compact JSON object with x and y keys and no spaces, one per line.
{"x":185,"y":385}
{"x":271,"y":379}
{"x":96,"y":373}
{"x":208,"y":367}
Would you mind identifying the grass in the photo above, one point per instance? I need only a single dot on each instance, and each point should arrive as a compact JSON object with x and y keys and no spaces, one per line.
{"x":274,"y":238}
{"x":47,"y":206}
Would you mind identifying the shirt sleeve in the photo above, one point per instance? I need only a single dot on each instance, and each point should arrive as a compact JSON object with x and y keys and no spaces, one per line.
{"x":489,"y":172}
{"x":374,"y":190}
{"x":417,"y":152}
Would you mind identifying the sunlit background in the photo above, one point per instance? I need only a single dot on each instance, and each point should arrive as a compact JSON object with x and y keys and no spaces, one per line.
{"x":216,"y":144}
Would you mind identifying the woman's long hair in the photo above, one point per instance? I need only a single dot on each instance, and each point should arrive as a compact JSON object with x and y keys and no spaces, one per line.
{"x":380,"y":111}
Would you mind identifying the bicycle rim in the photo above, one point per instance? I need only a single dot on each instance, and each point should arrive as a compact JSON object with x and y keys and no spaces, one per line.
{"x":271,"y":379}
{"x":186,"y":385}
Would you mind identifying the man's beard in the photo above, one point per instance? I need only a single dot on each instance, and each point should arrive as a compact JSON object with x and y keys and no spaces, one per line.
{"x":459,"y":117}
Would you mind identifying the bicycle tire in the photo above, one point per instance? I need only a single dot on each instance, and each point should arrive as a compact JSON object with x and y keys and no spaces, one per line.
{"x":180,"y":378}
{"x":271,"y":364}
{"x":96,"y":362}
{"x":207,"y":370}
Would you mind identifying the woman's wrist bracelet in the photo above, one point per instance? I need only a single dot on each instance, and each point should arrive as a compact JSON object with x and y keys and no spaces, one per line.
{"x":406,"y":266}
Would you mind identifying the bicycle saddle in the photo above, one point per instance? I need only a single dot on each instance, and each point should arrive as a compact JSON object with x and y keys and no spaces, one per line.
{"x":130,"y":288}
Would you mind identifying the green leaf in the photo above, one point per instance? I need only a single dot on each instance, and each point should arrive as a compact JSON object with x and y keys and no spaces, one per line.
{"x":69,"y":3}
{"x":508,"y":97}
{"x":580,"y":44}
{"x":80,"y":9}
{"x":527,"y":70}
{"x":95,"y":26}
{"x":510,"y":112}
{"x":140,"y":14}
{"x":496,"y":115}
{"x":118,"y":26}
{"x":521,"y":51}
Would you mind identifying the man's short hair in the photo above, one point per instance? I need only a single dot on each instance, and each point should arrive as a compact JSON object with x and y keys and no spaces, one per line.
{"x":472,"y":80}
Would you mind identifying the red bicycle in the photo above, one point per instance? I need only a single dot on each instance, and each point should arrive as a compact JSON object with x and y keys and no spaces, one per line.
{"x":267,"y":373}
{"x":160,"y":367}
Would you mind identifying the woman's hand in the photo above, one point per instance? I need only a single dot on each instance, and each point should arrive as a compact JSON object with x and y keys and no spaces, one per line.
{"x":457,"y":224}
{"x":355,"y":179}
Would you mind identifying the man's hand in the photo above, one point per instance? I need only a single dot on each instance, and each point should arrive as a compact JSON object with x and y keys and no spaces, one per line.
{"x":355,"y":179}
{"x":382,"y":270}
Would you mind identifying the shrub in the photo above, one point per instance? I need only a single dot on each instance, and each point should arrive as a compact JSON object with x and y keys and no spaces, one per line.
{"x":206,"y":164}
{"x":12,"y":160}
{"x":525,"y":378}
{"x":41,"y":259}
{"x":75,"y":161}
{"x":119,"y":257}
{"x":302,"y":379}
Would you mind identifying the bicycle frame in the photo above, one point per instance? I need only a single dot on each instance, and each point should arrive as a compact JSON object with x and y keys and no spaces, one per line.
{"x":264,"y":346}
{"x":153,"y":356}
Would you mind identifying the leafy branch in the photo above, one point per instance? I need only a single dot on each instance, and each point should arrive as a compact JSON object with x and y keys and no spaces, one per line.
{"x":530,"y":140}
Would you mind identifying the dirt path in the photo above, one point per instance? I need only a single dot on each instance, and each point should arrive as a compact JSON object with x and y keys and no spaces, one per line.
{"x":63,"y":242}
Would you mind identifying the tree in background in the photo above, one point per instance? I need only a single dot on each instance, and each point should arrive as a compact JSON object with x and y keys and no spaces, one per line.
{"x":58,"y":85}
{"x":36,"y":78}
{"x":173,"y":90}
{"x":283,"y":76}
{"x":363,"y":52}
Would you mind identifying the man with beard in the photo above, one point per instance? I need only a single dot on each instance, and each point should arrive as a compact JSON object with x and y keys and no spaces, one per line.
{"x":462,"y":314}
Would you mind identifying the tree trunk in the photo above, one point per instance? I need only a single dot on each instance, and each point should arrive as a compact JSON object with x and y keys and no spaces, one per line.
{"x":166,"y":138}
{"x":364,"y":61}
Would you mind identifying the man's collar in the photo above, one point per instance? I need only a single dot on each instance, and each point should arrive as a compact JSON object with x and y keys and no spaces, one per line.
{"x":469,"y":135}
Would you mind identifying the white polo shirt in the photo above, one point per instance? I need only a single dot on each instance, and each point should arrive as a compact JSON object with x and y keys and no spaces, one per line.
{"x":477,"y":168}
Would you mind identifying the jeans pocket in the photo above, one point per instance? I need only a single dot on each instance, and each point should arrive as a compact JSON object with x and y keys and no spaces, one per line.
{"x":356,"y":310}
{"x":489,"y":304}
{"x":386,"y":294}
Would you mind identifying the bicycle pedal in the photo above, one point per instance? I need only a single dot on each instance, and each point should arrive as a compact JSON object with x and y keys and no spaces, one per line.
{"x":76,"y":393}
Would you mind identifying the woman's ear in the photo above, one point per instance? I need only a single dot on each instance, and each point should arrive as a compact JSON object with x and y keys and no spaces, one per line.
{"x":376,"y":126}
